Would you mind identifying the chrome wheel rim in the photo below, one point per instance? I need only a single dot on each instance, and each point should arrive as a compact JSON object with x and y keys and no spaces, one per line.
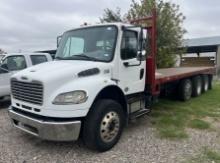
{"x":188,"y":90}
{"x":109,"y":126}
{"x":206,"y":86}
{"x":199,"y":89}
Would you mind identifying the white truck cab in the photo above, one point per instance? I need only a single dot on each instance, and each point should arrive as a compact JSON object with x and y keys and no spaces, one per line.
{"x":14,"y":62}
{"x":87,"y":89}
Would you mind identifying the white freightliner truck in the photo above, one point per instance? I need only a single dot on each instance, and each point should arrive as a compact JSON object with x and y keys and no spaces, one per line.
{"x":102,"y":77}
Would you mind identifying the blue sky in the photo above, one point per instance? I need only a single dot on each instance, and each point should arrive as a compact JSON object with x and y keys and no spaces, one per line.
{"x":30,"y":25}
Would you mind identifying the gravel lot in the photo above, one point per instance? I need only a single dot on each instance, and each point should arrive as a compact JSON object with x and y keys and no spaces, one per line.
{"x":139,"y":143}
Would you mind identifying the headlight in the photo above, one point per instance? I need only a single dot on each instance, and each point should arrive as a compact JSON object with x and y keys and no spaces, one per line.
{"x":75,"y":97}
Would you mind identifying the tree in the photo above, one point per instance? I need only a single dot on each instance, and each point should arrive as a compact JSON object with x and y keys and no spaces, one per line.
{"x":169,"y":27}
{"x":111,"y":16}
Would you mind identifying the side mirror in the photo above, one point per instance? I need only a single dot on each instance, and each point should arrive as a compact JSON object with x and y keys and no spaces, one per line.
{"x":58,"y":40}
{"x":141,"y":55}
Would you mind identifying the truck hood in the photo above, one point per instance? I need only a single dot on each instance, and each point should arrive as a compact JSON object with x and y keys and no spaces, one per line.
{"x":58,"y":70}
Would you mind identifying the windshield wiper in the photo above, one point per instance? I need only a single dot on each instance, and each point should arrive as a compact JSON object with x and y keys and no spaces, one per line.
{"x":77,"y":55}
{"x":59,"y":58}
{"x":85,"y":56}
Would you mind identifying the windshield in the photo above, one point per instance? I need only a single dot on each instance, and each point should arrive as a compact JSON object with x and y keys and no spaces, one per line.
{"x":93,"y":43}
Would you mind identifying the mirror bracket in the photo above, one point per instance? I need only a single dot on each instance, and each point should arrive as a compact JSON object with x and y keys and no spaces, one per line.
{"x":58,"y":40}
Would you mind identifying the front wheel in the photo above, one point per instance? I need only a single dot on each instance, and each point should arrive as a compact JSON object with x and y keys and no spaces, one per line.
{"x":103,"y":126}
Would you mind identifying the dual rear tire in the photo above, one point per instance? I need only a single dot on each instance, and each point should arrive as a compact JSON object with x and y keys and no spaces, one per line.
{"x":185,"y":89}
{"x":194,"y":87}
{"x":205,"y":80}
{"x":197,"y":85}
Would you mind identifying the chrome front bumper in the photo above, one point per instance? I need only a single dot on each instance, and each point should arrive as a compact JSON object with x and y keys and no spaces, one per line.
{"x":48,"y":130}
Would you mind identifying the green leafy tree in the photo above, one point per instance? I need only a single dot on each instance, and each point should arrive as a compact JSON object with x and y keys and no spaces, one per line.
{"x":111,"y":16}
{"x":169,"y":27}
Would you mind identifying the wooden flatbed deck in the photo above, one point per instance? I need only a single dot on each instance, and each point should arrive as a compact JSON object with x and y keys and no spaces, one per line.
{"x":173,"y":74}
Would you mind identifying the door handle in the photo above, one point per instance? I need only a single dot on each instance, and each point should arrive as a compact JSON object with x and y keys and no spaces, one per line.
{"x":126,"y":64}
{"x":141,"y":74}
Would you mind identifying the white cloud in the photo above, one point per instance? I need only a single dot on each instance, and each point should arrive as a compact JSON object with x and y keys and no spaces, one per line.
{"x":34,"y":25}
{"x":201,"y":17}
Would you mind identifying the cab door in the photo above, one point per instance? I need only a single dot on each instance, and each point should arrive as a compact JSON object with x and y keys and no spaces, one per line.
{"x":131,"y":69}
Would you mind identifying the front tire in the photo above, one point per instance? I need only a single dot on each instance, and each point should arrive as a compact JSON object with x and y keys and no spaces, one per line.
{"x":103,"y":125}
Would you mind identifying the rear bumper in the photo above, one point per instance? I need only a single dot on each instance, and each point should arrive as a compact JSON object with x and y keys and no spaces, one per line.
{"x":48,"y":130}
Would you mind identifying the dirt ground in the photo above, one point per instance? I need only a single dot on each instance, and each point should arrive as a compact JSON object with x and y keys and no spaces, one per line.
{"x":139,"y":143}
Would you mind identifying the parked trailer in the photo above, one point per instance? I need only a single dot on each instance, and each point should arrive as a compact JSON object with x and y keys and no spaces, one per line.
{"x":103,"y":76}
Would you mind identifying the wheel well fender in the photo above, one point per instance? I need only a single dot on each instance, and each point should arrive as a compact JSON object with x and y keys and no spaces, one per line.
{"x":115,"y":93}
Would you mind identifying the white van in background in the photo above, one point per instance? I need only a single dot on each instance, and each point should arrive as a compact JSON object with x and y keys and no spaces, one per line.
{"x":14,"y":62}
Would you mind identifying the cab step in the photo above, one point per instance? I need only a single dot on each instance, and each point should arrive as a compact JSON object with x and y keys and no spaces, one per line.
{"x":139,"y":113}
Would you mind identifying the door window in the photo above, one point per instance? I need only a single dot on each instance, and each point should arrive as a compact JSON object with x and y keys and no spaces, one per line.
{"x":14,"y":63}
{"x":37,"y":59}
{"x":129,"y":45}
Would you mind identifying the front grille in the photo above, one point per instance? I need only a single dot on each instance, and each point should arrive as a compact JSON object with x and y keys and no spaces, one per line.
{"x":29,"y":92}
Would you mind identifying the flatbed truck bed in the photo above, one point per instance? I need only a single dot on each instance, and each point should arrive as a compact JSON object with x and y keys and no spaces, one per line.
{"x":173,"y":74}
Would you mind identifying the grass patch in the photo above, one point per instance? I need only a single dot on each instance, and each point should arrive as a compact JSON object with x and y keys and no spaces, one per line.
{"x":199,"y":124}
{"x":207,"y":155}
{"x":171,"y":118}
{"x":212,"y":155}
{"x":172,"y":132}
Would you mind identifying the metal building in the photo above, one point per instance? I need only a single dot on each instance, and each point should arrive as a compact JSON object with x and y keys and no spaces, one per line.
{"x":207,"y":52}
